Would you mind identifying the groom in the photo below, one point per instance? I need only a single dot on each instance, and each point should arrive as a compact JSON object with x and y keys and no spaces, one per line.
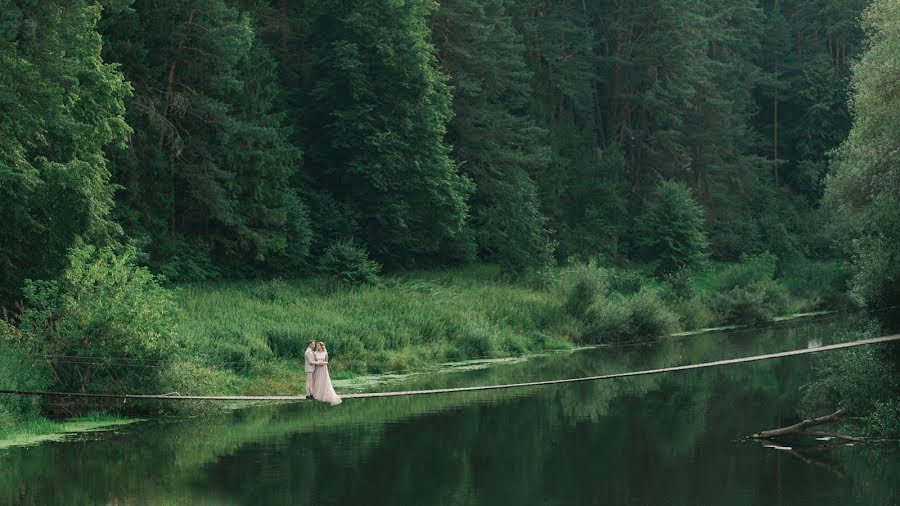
{"x":309,"y":364}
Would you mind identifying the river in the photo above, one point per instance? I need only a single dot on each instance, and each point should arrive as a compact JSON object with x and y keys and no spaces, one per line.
{"x":669,"y":439}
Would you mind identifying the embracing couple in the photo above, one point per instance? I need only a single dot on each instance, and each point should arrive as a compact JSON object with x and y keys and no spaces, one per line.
{"x":318,"y":382}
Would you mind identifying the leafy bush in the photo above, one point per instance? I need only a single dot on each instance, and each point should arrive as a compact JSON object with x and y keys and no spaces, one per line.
{"x":188,"y":263}
{"x":693,"y":313}
{"x":348,"y":262}
{"x":672,"y":229}
{"x":862,"y":381}
{"x":682,"y":283}
{"x":582,"y":284}
{"x":618,"y":317}
{"x":18,"y":371}
{"x":751,"y":269}
{"x":102,"y":306}
{"x":624,"y":281}
{"x":825,"y":283}
{"x":743,"y":306}
{"x":755,"y":303}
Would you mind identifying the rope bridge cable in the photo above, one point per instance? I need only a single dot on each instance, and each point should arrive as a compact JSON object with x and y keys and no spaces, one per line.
{"x":702,"y":365}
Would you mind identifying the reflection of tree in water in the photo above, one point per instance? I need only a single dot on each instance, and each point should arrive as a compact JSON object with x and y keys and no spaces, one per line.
{"x":657,"y":439}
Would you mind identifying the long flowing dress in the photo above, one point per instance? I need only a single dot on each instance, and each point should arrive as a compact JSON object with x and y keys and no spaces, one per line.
{"x":322,"y":389}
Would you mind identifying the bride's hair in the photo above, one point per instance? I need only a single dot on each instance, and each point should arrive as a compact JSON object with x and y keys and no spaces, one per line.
{"x":322,"y":343}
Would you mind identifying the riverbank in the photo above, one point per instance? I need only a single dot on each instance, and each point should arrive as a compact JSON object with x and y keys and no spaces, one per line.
{"x":42,"y":430}
{"x":248,"y":337}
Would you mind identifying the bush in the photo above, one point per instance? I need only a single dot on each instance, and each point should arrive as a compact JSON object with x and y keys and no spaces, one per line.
{"x":824,"y":283}
{"x":744,"y":305}
{"x":102,"y":306}
{"x":619,"y":317}
{"x":624,"y":281}
{"x":694,"y":314}
{"x":582,"y":284}
{"x":18,"y":371}
{"x":751,"y":269}
{"x":682,"y":283}
{"x":348,"y":262}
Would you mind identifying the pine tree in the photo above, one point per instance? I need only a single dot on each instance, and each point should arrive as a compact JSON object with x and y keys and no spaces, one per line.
{"x":373,"y":125}
{"x":206,"y":181}
{"x":497,"y":143}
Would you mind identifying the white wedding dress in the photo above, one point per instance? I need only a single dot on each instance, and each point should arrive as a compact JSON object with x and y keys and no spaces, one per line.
{"x":322,"y":389}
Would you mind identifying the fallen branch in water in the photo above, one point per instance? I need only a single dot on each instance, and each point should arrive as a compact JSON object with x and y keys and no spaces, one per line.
{"x":800,"y":428}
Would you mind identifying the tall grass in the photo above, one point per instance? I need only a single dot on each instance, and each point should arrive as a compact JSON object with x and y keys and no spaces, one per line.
{"x":433,"y":316}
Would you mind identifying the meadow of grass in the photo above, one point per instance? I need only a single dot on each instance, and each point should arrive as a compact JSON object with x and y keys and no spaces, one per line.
{"x":249,"y":336}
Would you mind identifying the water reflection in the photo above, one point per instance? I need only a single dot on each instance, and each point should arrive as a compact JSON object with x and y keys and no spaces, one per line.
{"x":665,"y":439}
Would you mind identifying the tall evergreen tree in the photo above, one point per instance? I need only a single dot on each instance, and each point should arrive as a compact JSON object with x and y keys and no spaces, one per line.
{"x":61,"y":106}
{"x":207,"y":178}
{"x":374,"y":119}
{"x":496,"y":141}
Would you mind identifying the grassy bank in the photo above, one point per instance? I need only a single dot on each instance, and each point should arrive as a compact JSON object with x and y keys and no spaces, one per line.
{"x":39,"y":430}
{"x":248,"y":337}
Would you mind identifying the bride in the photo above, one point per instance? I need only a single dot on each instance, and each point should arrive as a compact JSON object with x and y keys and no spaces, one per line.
{"x":322,"y":389}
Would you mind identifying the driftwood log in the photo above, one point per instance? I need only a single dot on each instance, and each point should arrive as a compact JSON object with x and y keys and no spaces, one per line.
{"x":801,"y":428}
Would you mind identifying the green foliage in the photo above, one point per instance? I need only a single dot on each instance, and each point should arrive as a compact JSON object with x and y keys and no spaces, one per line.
{"x":375,"y":112}
{"x":19,"y":371}
{"x":421,"y":318}
{"x":864,"y":382}
{"x":617,"y":317}
{"x":751,"y":269}
{"x":102,"y":312}
{"x":672,"y":229}
{"x":582,"y":284}
{"x":496,"y":141}
{"x":747,"y":305}
{"x":863,"y":190}
{"x":694,"y":313}
{"x":824,"y":283}
{"x":210,"y":167}
{"x":348,"y":262}
{"x":62,"y":105}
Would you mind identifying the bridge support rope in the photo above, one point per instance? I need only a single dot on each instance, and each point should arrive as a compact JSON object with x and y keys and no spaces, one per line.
{"x":294,"y":398}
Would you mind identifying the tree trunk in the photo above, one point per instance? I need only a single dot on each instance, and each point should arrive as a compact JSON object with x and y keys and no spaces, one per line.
{"x":800,"y":428}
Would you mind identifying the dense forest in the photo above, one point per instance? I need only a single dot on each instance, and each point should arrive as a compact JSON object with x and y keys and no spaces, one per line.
{"x":145,"y":144}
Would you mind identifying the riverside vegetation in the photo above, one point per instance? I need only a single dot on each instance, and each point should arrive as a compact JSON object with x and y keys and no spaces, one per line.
{"x":192,"y":189}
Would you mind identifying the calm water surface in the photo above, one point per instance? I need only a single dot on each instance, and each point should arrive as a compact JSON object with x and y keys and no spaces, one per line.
{"x":672,"y":439}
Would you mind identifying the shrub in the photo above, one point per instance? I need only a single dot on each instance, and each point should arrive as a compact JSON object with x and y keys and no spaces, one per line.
{"x":620,"y":317}
{"x":582,"y":284}
{"x":682,"y":283}
{"x":348,"y":262}
{"x":102,"y":306}
{"x":751,"y":269}
{"x":693,"y":314}
{"x":672,"y":229}
{"x":625,"y":281}
{"x":823,"y":282}
{"x":743,"y":305}
{"x":18,"y":371}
